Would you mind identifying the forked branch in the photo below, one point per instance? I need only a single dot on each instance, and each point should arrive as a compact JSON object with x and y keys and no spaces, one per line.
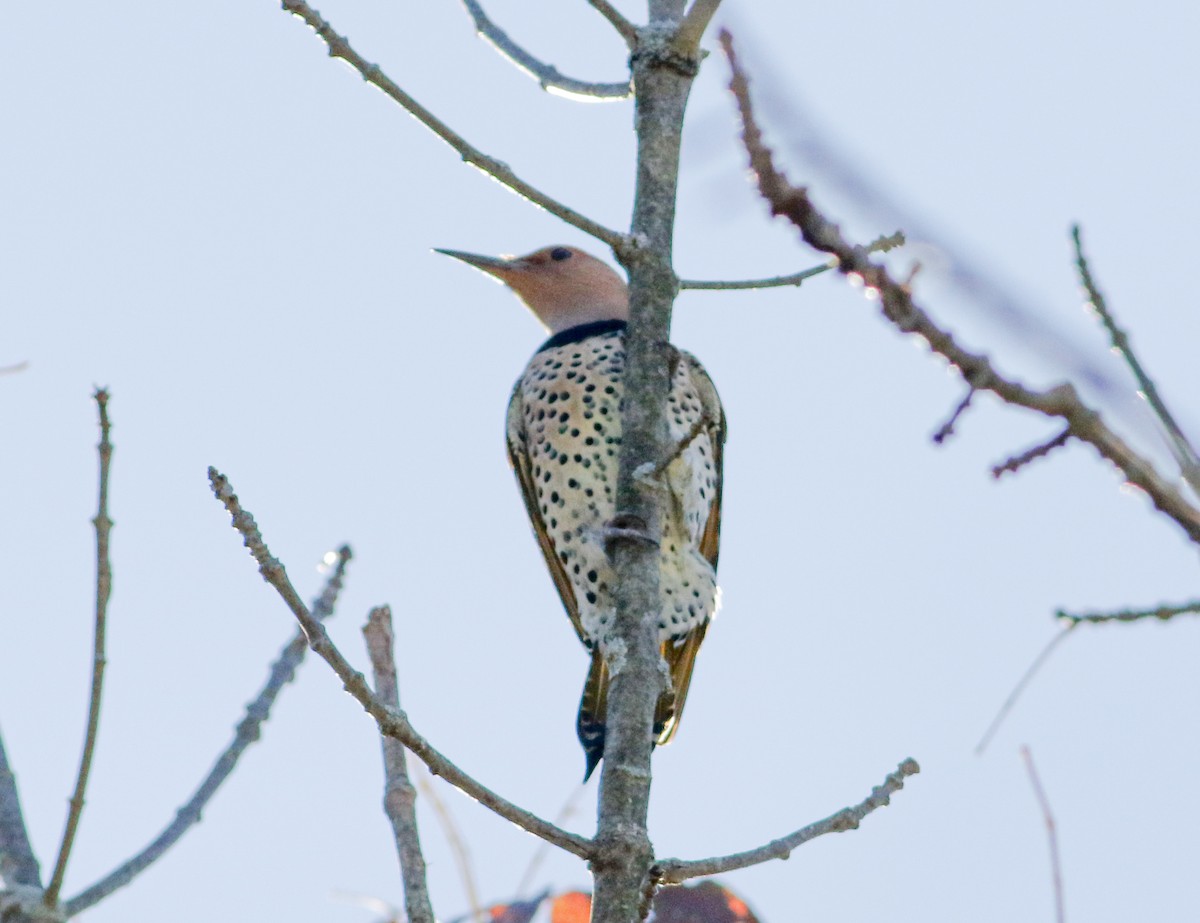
{"x":392,"y":722}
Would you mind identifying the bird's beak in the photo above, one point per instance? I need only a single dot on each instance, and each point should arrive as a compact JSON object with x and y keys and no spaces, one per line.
{"x":490,"y":264}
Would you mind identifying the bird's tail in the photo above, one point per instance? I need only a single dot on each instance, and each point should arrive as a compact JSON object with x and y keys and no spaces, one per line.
{"x":593,"y":709}
{"x":593,"y":704}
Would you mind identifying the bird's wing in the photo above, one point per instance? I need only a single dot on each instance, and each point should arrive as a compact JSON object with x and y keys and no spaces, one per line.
{"x":681,"y":656}
{"x":518,"y":456}
{"x":715,"y":426}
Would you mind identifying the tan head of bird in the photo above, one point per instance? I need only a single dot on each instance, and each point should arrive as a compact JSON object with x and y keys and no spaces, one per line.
{"x":563,"y":286}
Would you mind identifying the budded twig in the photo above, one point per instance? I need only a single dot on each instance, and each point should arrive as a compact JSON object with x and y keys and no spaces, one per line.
{"x":675,"y":871}
{"x":1162,"y":613}
{"x":103,"y":525}
{"x":879,"y":245}
{"x":1178,"y":443}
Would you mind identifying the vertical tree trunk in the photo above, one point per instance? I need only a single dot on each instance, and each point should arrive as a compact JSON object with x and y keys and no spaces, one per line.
{"x":662,"y":83}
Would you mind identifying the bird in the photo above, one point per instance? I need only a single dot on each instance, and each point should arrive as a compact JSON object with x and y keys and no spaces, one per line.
{"x":564,"y":437}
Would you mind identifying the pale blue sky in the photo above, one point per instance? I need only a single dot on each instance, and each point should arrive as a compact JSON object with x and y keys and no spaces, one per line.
{"x":232,"y":232}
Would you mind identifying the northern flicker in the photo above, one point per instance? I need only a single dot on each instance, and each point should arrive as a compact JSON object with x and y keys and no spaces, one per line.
{"x":564,"y":437}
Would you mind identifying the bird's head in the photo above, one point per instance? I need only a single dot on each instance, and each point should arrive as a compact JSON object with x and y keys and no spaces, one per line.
{"x":563,"y":286}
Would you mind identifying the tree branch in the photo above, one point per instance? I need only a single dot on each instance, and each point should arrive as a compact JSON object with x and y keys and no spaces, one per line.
{"x":879,"y":245}
{"x":501,"y":172}
{"x":691,"y":29}
{"x":1017,"y":462}
{"x":1163,"y":613}
{"x":624,"y":27}
{"x":675,"y":871}
{"x":547,"y":75}
{"x":103,"y":590}
{"x":392,"y":722}
{"x":18,"y":864}
{"x":1180,"y":447}
{"x":1034,"y":668}
{"x":946,"y":430}
{"x":1051,"y":833}
{"x":399,"y":796}
{"x":248,"y":731}
{"x":897,"y":306}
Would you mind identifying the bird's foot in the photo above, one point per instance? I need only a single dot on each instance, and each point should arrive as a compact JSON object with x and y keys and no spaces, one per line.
{"x":625,"y":526}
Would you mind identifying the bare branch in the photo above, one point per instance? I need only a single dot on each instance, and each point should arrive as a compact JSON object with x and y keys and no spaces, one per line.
{"x":1017,"y":462}
{"x":392,"y":722}
{"x":675,"y":871}
{"x":103,"y":589}
{"x":624,"y":27}
{"x":880,"y":245}
{"x":18,"y":864}
{"x":547,"y":75}
{"x":501,"y":172}
{"x":1129,"y":615}
{"x":691,"y":29}
{"x":897,"y":306}
{"x":12,"y":369}
{"x":946,"y":430}
{"x":1180,"y":447}
{"x":248,"y":731}
{"x":399,"y":796}
{"x":1051,"y":833}
{"x":1038,"y":662}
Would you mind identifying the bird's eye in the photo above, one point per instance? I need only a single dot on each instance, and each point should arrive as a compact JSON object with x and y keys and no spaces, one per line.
{"x":558,"y":254}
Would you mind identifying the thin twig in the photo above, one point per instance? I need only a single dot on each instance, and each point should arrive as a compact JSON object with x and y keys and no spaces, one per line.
{"x":248,"y":731}
{"x":399,"y":796}
{"x":1051,"y":833}
{"x":946,"y":430}
{"x":18,"y":864}
{"x":1017,"y":462}
{"x":897,"y":306}
{"x":674,"y":871}
{"x":11,"y":369}
{"x":458,"y":846}
{"x":1129,"y":615}
{"x":103,"y":590}
{"x":624,"y":27}
{"x":691,"y":28}
{"x":879,"y":245}
{"x":392,"y":722}
{"x":539,"y":856}
{"x":547,"y":75}
{"x":501,"y":172}
{"x":1038,"y":662}
{"x":1180,"y":447}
